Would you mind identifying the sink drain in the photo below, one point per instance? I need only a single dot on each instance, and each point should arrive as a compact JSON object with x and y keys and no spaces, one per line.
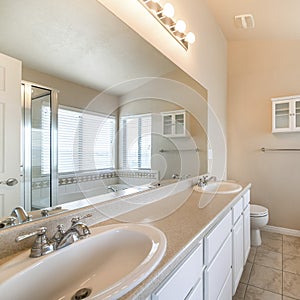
{"x":82,"y":294}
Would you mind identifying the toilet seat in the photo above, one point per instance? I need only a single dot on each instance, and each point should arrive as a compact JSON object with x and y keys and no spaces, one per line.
{"x":258,"y":211}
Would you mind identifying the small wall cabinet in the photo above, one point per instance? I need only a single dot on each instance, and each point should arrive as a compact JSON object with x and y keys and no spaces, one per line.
{"x":286,"y":114}
{"x":174,"y":123}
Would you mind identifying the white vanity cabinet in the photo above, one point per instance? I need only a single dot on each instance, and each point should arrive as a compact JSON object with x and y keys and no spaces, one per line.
{"x":174,"y":123}
{"x":286,"y":114}
{"x":186,"y":281}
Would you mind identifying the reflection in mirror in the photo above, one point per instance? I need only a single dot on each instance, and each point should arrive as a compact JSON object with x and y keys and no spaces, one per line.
{"x":111,"y":126}
{"x":40,"y":148}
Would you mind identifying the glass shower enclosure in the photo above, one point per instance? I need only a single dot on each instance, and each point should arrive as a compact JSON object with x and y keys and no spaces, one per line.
{"x":39,"y":151}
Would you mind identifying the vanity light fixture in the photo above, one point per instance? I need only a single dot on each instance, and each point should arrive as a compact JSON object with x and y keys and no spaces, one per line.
{"x":164,"y":14}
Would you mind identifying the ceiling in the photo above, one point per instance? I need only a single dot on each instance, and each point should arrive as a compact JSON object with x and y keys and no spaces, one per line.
{"x":80,"y":41}
{"x":274,"y":19}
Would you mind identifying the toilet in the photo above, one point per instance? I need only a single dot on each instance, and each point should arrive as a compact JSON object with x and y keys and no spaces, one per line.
{"x":259,"y":217}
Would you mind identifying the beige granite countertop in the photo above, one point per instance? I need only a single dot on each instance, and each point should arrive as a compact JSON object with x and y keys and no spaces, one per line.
{"x":185,"y":219}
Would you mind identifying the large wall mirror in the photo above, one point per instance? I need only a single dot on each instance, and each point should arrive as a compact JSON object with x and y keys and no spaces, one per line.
{"x":105,"y":111}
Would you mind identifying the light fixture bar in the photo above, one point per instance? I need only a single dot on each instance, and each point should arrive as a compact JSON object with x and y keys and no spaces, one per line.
{"x":164,"y":15}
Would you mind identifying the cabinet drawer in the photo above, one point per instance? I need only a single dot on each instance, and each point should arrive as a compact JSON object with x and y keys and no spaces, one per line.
{"x":215,"y":275}
{"x":217,"y":236}
{"x":226,"y":293}
{"x":182,"y":280}
{"x":246,"y":199}
{"x":237,"y":210}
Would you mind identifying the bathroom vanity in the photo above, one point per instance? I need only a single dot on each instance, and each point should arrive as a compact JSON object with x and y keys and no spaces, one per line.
{"x":207,"y":245}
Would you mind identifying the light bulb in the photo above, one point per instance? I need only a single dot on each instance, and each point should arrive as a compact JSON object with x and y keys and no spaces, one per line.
{"x":180,"y":26}
{"x":190,"y":38}
{"x":168,"y":10}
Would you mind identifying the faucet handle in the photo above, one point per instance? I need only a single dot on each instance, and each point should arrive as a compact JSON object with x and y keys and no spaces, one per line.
{"x":10,"y":220}
{"x":40,"y":232}
{"x":59,"y":234}
{"x":77,"y":219}
{"x":41,"y":246}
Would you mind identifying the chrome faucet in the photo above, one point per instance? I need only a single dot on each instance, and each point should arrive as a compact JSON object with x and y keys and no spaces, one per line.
{"x":21,"y":215}
{"x":112,"y":188}
{"x":203,"y":181}
{"x":77,"y":231}
{"x":43,"y":245}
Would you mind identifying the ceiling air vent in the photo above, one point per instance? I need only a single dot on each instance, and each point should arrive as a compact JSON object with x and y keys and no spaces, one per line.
{"x":244,"y":21}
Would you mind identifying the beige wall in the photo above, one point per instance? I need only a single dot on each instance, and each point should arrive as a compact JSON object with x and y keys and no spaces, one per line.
{"x":205,"y":61}
{"x":259,"y":71}
{"x":72,"y":94}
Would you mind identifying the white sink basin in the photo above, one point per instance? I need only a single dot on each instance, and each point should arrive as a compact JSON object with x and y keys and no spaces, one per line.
{"x":112,"y":261}
{"x":219,"y":187}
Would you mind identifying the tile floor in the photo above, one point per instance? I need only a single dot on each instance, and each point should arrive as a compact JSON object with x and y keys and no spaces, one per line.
{"x":272,"y":271}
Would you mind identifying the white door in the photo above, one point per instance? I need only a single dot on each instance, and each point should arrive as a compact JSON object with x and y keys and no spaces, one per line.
{"x":10,"y":126}
{"x":237,"y":253}
{"x":247,"y":239}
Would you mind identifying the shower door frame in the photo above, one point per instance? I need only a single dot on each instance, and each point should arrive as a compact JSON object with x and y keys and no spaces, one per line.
{"x":26,"y":143}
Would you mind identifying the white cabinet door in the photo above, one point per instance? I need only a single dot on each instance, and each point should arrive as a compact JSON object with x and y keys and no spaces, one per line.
{"x":237,"y":253}
{"x":226,"y":292}
{"x":216,"y":237}
{"x":297,"y":115}
{"x":281,"y":120}
{"x":216,"y":274}
{"x":246,"y":227}
{"x":183,"y":279}
{"x":10,"y":126}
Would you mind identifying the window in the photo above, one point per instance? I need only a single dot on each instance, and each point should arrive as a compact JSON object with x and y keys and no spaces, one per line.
{"x":85,"y":140}
{"x":135,"y":141}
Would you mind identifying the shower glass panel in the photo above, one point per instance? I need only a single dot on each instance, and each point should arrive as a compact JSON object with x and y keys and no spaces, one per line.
{"x":40,"y":148}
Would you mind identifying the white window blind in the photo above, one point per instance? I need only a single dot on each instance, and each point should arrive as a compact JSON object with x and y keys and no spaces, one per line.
{"x":136,"y":142}
{"x":85,"y":141}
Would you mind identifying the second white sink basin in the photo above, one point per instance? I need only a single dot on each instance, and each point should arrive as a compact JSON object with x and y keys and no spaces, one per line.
{"x":219,"y":187}
{"x":109,"y":263}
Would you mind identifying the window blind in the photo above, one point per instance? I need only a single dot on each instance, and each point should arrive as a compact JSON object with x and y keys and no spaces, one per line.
{"x":85,"y":141}
{"x":135,"y":141}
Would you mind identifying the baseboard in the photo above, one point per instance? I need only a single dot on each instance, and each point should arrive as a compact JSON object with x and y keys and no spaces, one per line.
{"x":282,"y":230}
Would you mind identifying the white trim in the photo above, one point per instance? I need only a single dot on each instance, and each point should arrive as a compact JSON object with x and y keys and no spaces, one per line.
{"x":282,"y":230}
{"x":285,"y":98}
